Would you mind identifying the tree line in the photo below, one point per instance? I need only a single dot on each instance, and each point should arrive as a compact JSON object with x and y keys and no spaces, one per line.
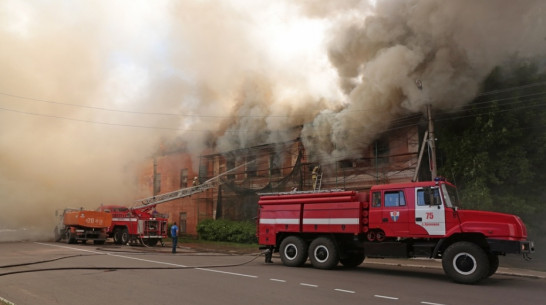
{"x":495,"y":148}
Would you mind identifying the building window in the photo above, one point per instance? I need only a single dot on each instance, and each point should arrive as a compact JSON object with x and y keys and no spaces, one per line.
{"x":183,"y":178}
{"x":157,"y":184}
{"x":274,"y":164}
{"x":251,"y":167}
{"x":182,"y":221}
{"x":346,"y":164}
{"x":381,"y":151}
{"x":230,"y":164}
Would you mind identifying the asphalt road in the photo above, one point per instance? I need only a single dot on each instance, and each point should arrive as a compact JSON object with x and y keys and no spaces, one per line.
{"x":86,"y":274}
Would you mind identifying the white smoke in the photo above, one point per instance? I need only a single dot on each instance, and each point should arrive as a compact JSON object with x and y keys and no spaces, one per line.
{"x":450,"y":46}
{"x":88,"y":90}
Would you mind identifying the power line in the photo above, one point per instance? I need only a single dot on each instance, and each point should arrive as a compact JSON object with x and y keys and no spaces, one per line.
{"x":398,"y":122}
{"x":530,"y":85}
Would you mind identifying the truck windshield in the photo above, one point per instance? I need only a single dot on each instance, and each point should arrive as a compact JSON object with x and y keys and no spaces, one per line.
{"x":450,"y":195}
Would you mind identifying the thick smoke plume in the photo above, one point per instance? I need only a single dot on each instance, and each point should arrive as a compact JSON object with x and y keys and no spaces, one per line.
{"x":447,"y":46}
{"x":89,"y":90}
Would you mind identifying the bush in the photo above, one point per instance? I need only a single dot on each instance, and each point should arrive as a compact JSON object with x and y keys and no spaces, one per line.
{"x":227,"y":230}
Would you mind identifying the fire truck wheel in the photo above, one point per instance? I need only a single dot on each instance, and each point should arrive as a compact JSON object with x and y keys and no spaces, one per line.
{"x":70,"y":239}
{"x":124,"y":236}
{"x":493,"y":264}
{"x":371,"y":235}
{"x":323,"y":253}
{"x":293,"y":251}
{"x":117,"y":236}
{"x":353,"y":260}
{"x":465,"y":262}
{"x":380,"y":236}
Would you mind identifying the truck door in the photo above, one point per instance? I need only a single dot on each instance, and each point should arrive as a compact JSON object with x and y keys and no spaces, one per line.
{"x":429,"y":212}
{"x":395,"y":218}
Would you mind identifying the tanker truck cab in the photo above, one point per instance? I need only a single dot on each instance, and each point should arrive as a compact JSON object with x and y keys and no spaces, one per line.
{"x":413,"y":210}
{"x":436,"y":210}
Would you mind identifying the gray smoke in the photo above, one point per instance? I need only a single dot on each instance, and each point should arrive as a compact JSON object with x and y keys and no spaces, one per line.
{"x":450,"y":46}
{"x":89,"y":90}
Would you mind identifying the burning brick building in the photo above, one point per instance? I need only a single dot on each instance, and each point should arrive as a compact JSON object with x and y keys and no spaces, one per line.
{"x":238,"y":176}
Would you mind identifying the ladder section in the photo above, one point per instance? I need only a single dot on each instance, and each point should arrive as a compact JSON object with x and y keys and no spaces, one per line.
{"x":185,"y":192}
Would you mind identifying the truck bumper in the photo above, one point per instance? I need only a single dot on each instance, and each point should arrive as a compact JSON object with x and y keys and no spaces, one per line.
{"x":511,"y":246}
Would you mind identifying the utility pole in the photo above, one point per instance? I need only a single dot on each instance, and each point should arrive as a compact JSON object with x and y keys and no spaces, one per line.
{"x":431,"y":144}
{"x":429,"y":139}
{"x":155,"y":180}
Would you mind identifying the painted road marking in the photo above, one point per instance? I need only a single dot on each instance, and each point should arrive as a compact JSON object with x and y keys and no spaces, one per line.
{"x":225,"y":272}
{"x":117,"y":255}
{"x":153,"y":261}
{"x":277,"y":280}
{"x":212,"y":270}
{"x":385,"y":297}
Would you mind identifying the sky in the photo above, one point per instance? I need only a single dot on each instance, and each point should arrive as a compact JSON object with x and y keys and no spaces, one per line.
{"x":90,"y":89}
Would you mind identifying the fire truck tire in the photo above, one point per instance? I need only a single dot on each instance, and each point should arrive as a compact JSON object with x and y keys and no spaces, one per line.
{"x":353,"y":260}
{"x":70,"y":239}
{"x":465,"y":262}
{"x":117,"y":236}
{"x":493,"y":264}
{"x":124,"y":236}
{"x":323,"y":253}
{"x":293,"y":251}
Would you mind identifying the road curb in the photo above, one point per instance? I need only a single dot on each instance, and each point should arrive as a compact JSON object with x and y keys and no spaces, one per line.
{"x":437,"y":264}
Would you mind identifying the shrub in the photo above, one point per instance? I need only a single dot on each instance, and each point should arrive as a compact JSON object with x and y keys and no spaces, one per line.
{"x":227,"y":230}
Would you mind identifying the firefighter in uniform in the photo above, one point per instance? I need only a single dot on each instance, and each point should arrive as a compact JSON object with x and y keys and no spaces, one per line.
{"x":314,"y":175}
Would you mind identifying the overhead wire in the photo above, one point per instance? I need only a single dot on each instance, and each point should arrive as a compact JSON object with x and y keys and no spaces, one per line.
{"x":397,"y":123}
{"x":228,"y":116}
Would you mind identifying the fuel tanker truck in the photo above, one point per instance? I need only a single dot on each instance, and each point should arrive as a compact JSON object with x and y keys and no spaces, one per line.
{"x":82,"y":225}
{"x":403,"y":220}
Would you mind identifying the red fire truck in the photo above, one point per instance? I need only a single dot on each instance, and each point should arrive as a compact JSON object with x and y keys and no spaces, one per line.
{"x":142,"y":224}
{"x":415,"y":219}
{"x":135,"y":225}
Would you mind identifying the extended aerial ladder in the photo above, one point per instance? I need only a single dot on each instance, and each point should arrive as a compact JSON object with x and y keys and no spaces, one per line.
{"x":185,"y":192}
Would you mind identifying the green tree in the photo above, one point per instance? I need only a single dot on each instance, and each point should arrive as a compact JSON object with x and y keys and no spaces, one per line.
{"x":495,"y":148}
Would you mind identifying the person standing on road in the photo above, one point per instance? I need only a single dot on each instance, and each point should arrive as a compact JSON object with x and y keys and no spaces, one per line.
{"x":174,"y":235}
